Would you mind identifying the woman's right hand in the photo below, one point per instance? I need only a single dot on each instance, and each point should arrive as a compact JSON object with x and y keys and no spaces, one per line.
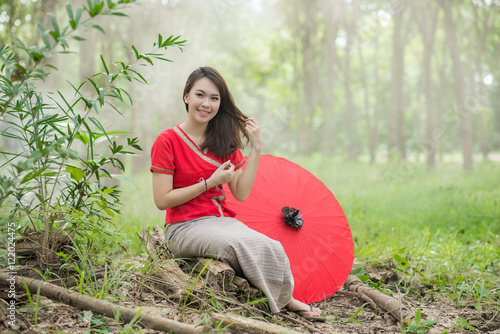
{"x":222,"y":175}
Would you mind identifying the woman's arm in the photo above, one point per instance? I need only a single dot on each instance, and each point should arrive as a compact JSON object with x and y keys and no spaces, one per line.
{"x":166,"y":197}
{"x":242,"y":181}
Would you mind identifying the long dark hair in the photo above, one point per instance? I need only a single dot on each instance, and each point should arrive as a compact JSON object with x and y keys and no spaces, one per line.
{"x":224,"y":131}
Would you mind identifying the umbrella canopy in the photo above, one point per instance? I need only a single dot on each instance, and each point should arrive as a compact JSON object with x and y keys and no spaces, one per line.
{"x":289,"y":204}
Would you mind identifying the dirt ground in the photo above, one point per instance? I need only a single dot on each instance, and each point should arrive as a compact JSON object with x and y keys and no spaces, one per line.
{"x":344,"y":314}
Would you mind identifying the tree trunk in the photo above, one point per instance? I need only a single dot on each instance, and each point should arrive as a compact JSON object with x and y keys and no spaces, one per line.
{"x":465,"y":115}
{"x":396,"y":136}
{"x":309,"y":76}
{"x":426,"y":16}
{"x":328,"y":103}
{"x":374,"y":140}
{"x":367,"y":106}
{"x":482,"y":33}
{"x":350,"y":108}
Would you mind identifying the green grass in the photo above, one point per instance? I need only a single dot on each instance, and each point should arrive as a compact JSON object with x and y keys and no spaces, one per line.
{"x":390,"y":208}
{"x":444,"y":224}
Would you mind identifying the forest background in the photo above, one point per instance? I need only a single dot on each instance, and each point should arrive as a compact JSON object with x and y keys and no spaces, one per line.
{"x":394,"y":105}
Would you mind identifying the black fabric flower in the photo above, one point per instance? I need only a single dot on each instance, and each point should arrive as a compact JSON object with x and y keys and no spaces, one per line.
{"x":292,"y":217}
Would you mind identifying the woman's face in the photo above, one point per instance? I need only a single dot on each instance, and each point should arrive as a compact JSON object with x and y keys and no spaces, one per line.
{"x":203,"y":100}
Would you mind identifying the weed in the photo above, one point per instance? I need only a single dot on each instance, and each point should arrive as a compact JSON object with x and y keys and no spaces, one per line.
{"x":132,"y":326}
{"x":34,"y":304}
{"x":417,"y":326}
{"x":352,"y":318}
{"x":463,"y":324}
{"x":97,"y":323}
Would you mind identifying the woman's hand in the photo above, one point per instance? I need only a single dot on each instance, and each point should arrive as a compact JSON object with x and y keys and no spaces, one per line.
{"x":242,"y":182}
{"x":252,"y":129}
{"x":222,"y":175}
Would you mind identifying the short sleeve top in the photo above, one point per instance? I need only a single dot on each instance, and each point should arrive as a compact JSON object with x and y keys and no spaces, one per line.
{"x":174,"y":153}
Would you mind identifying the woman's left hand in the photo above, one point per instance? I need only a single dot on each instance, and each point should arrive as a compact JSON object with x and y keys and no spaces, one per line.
{"x":252,"y":129}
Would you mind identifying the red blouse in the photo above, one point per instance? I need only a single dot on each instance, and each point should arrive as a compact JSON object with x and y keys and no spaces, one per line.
{"x":174,"y":153}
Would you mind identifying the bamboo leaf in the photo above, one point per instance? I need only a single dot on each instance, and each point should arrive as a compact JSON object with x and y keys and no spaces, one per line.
{"x":100,"y":127}
{"x":137,"y":55}
{"x":116,"y":109}
{"x":79,"y":12}
{"x":128,"y":95}
{"x":69,"y":10}
{"x":54,"y":24}
{"x":160,"y":40}
{"x":78,"y":38}
{"x":98,"y":27}
{"x":19,"y":42}
{"x":101,"y":96}
{"x":44,"y":34}
{"x":95,"y":85}
{"x":104,"y":65}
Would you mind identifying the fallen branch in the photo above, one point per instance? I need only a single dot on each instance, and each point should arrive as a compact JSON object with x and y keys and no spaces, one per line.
{"x":95,"y":305}
{"x":299,"y":322}
{"x":241,"y":324}
{"x":384,"y":302}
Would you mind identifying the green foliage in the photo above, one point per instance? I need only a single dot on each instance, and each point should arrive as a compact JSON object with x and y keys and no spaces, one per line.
{"x":463,"y":324}
{"x":352,"y":318}
{"x":417,"y":326}
{"x":34,"y":304}
{"x":58,"y":177}
{"x":97,"y":323}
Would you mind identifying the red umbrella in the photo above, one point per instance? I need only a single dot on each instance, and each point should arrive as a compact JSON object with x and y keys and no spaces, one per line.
{"x":317,"y":240}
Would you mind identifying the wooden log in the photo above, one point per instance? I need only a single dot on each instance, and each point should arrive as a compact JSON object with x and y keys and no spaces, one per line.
{"x":153,"y":239}
{"x":162,"y":264}
{"x":239,"y":324}
{"x":384,"y":302}
{"x":95,"y":305}
{"x":218,"y":274}
{"x":241,"y":285}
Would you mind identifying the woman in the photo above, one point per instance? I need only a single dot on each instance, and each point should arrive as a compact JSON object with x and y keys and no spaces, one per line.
{"x":190,"y":162}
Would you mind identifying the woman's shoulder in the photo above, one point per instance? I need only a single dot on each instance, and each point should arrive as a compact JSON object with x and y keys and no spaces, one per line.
{"x":167,"y":134}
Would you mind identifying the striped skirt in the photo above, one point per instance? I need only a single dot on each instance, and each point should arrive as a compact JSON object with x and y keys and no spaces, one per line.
{"x":258,"y":258}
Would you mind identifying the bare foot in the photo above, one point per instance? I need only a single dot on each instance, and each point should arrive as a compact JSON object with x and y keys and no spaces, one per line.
{"x":302,"y":309}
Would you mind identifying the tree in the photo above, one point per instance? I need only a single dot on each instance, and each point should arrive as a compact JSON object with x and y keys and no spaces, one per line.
{"x":397,"y":122}
{"x":462,"y":112}
{"x":426,"y":15}
{"x":350,"y":108}
{"x":483,"y":24}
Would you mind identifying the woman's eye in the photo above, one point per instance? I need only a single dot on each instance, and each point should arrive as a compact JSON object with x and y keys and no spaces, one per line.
{"x":199,"y":95}
{"x":215,"y":98}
